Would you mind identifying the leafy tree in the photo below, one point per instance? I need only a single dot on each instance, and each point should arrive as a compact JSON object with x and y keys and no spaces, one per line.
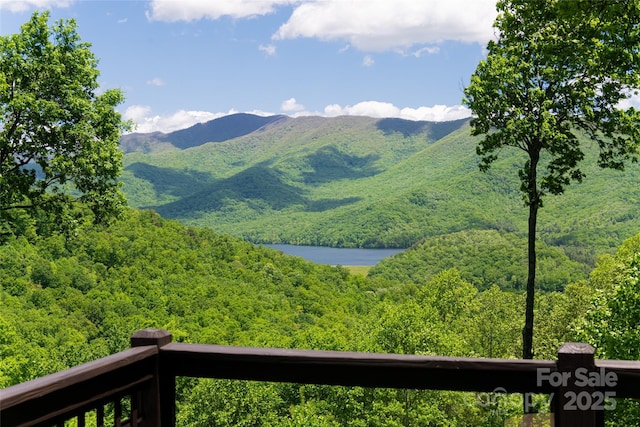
{"x":59,"y":137}
{"x":491,"y":330}
{"x":557,"y":69}
{"x":611,"y":321}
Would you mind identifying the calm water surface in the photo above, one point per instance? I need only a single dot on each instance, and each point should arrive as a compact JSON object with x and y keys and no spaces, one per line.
{"x":337,"y":256}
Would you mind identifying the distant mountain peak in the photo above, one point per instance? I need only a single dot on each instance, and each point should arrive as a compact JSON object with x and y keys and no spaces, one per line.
{"x":237,"y":125}
{"x":217,"y":130}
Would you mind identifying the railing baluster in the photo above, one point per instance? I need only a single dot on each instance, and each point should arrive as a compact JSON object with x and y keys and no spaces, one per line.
{"x":117,"y":413}
{"x":82,"y":419}
{"x":100,"y":416}
{"x":135,"y":404}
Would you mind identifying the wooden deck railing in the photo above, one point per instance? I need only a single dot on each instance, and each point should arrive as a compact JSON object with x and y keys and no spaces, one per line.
{"x":137,"y":386}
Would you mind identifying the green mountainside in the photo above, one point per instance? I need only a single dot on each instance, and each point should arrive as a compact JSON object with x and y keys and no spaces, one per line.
{"x":71,"y":299}
{"x":68,"y":299}
{"x":365,"y":182}
{"x":218,"y":130}
{"x":484,"y":258}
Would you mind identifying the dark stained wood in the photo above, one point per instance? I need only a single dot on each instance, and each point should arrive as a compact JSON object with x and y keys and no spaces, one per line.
{"x":167,"y":386}
{"x":351,"y":369}
{"x":51,"y":383}
{"x":158,"y":399}
{"x":147,"y":374}
{"x":628,"y":376}
{"x":567,"y":408}
{"x":135,"y":404}
{"x":81,"y":388}
{"x":150,"y":336}
{"x":100,"y":416}
{"x":117,"y":413}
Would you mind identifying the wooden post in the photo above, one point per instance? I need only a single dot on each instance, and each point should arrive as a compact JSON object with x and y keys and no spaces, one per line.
{"x":574,"y":400}
{"x":159,"y":399}
{"x":150,"y":336}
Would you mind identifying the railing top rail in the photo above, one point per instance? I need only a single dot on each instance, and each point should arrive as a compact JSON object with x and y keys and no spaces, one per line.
{"x":347,"y":357}
{"x":149,"y":368}
{"x":350,"y":368}
{"x":629,"y":365}
{"x":40,"y":387}
{"x":627,"y":376}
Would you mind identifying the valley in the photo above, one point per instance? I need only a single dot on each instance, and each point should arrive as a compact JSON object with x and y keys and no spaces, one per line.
{"x":456,"y":290}
{"x":364,"y":182}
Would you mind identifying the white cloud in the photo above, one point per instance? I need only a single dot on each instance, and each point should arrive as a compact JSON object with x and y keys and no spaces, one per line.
{"x":633,"y":100}
{"x":156,"y":81}
{"x":368,"y":61}
{"x":378,"y":25}
{"x":366,"y":108}
{"x":145,"y":121}
{"x":437,"y":113}
{"x":368,"y":25}
{"x":23,"y":5}
{"x":429,"y":50}
{"x":291,"y":105}
{"x":191,"y":10}
{"x":137,"y":112}
{"x":269,"y":50}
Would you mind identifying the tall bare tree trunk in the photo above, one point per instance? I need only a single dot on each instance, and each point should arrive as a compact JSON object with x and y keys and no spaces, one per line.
{"x":527,"y":331}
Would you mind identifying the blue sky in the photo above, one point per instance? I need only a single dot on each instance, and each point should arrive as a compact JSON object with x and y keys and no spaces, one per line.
{"x":180,"y":62}
{"x":184,"y":61}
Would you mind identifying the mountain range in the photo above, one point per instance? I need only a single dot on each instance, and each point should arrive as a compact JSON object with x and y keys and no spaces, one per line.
{"x":218,"y":130}
{"x":362,"y":182}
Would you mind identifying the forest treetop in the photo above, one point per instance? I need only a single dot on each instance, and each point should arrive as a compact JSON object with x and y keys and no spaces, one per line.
{"x":60,"y":131}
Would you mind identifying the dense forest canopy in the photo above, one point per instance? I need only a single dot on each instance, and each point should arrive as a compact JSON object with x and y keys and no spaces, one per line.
{"x":71,"y":300}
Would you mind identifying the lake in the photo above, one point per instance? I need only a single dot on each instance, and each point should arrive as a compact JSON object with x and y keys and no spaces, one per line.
{"x":337,"y":256}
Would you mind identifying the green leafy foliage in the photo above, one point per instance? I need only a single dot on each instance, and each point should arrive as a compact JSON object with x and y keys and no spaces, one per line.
{"x":611,"y":319}
{"x":535,"y":90}
{"x":485,"y":258}
{"x":552,"y":71}
{"x":59,"y":138}
{"x":102,"y":285}
{"x":613,"y":316}
{"x":71,"y":299}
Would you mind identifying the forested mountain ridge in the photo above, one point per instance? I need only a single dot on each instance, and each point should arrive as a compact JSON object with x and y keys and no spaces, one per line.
{"x":218,"y":130}
{"x":364,"y":182}
{"x":296,"y":167}
{"x":484,"y":258}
